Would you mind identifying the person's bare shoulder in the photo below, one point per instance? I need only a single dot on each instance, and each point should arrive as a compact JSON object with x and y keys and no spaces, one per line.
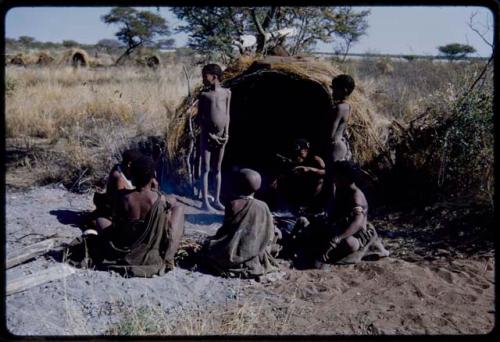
{"x":359,"y":198}
{"x":319,"y":162}
{"x":343,"y":108}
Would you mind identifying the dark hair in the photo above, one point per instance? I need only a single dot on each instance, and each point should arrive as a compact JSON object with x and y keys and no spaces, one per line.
{"x":212,"y":69}
{"x":300,"y":144}
{"x":142,"y":171}
{"x":344,"y":81}
{"x":346,"y":169}
{"x":130,"y":155}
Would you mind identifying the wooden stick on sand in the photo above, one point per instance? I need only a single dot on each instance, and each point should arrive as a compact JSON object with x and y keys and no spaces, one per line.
{"x":50,"y":274}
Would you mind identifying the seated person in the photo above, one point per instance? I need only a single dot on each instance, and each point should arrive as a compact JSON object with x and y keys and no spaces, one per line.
{"x":145,"y":233}
{"x":244,"y":244}
{"x":118,"y":180}
{"x":299,"y":186}
{"x":348,"y":237}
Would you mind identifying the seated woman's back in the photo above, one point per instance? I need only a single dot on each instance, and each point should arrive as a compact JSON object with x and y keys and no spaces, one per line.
{"x":136,"y":204}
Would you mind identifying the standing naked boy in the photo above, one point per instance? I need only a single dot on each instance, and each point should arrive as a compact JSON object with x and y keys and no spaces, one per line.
{"x":213,"y":111}
{"x":342,"y":87}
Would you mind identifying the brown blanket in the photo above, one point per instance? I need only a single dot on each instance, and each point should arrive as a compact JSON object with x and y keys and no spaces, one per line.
{"x":140,"y":249}
{"x":242,"y":246}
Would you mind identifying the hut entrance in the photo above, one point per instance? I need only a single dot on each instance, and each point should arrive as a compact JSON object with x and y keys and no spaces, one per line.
{"x":152,"y":62}
{"x":78,"y":60}
{"x":269,"y":110}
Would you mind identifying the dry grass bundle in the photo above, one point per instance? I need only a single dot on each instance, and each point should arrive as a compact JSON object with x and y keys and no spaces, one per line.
{"x":384,"y":66}
{"x":368,"y":130}
{"x":44,"y":59}
{"x":75,"y":57}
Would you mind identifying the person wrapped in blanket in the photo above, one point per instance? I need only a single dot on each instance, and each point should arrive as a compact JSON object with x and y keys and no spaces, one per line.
{"x":245,"y":244}
{"x":344,"y":236}
{"x":144,"y":234}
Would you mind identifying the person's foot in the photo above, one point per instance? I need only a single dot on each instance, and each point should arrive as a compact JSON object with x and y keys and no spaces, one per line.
{"x":378,"y":249}
{"x":218,"y":205}
{"x":320,"y":265}
{"x":207,"y":207}
{"x":90,"y":232}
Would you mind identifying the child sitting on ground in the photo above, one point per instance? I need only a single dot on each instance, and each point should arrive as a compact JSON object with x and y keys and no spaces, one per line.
{"x":244,"y":244}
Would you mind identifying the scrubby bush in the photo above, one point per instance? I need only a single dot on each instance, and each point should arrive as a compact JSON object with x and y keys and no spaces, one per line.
{"x":445,"y":150}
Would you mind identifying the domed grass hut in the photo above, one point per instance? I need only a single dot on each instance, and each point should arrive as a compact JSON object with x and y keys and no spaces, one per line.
{"x":75,"y":58}
{"x":19,"y":59}
{"x":274,"y":101}
{"x":152,"y":61}
{"x":44,"y":59}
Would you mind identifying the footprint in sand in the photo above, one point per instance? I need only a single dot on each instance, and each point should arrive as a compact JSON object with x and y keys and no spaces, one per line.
{"x":446,"y":275}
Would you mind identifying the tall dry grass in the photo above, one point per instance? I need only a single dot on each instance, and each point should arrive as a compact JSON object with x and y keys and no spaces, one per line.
{"x":87,"y":116}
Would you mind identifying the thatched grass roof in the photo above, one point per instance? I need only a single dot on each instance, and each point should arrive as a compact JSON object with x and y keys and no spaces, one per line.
{"x":44,"y":58}
{"x":75,"y":57}
{"x":292,"y":96}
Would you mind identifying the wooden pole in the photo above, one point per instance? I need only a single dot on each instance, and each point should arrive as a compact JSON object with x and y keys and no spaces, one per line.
{"x":30,"y":252}
{"x":50,"y":274}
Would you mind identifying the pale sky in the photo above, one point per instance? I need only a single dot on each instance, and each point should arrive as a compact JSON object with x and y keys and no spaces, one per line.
{"x":392,"y":30}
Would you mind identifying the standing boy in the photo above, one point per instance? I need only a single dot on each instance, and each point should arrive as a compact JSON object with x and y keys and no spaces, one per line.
{"x":342,"y":87}
{"x":213,"y":111}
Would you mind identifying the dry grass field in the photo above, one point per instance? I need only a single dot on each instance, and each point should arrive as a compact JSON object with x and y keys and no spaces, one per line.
{"x":65,"y":120}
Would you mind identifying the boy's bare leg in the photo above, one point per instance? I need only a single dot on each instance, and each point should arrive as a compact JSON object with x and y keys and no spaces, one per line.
{"x":218,"y":178}
{"x":205,"y":169}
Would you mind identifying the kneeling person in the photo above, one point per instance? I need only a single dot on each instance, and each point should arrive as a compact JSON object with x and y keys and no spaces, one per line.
{"x":350,"y":237}
{"x":244,"y":244}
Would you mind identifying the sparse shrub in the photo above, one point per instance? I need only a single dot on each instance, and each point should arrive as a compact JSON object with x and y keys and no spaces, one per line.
{"x":446,"y":148}
{"x":10,"y":85}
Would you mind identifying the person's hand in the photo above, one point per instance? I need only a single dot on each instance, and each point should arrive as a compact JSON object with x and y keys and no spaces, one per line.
{"x":299,"y":170}
{"x":274,"y":184}
{"x":218,"y":139}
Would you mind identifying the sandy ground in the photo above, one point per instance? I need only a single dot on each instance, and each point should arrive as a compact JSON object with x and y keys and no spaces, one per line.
{"x":448,"y":293}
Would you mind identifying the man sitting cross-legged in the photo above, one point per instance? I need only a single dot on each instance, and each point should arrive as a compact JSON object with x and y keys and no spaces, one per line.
{"x":243,"y":246}
{"x":351,"y":237}
{"x":345,"y":236}
{"x":145,"y":233}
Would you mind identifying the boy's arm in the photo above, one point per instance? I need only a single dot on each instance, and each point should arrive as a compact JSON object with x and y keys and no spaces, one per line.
{"x":341,"y":112}
{"x":358,"y":218}
{"x":228,"y":110}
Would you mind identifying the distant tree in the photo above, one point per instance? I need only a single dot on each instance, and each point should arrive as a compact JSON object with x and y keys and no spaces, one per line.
{"x":349,"y":27}
{"x":456,"y":51}
{"x":26,"y":41}
{"x":10,"y":43}
{"x":69,"y":43}
{"x":213,"y":29}
{"x":137,"y":28}
{"x":164,"y":44}
{"x":109,"y":45}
